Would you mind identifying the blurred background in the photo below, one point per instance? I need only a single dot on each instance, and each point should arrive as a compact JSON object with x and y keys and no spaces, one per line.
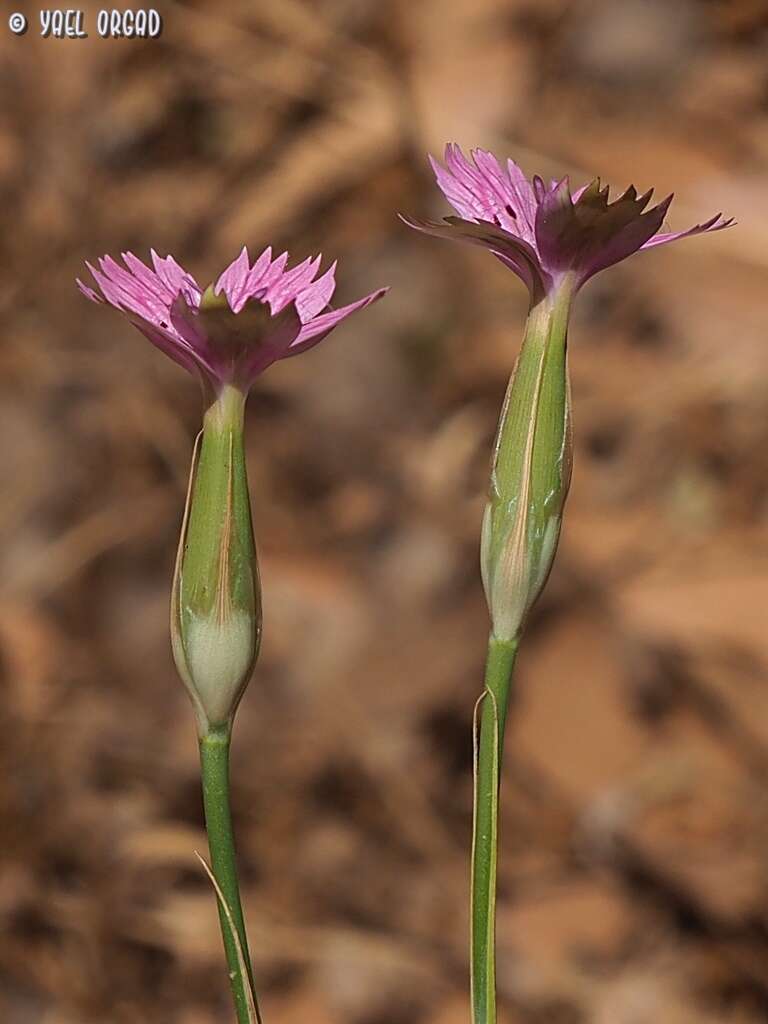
{"x":634,"y":871}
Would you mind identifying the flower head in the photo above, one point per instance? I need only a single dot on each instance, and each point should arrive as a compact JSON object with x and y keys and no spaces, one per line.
{"x":543,"y":232}
{"x":554,"y":241}
{"x":233,"y":330}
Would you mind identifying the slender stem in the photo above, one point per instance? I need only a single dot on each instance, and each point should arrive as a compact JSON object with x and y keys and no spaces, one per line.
{"x":498,"y":676}
{"x":214,"y":760}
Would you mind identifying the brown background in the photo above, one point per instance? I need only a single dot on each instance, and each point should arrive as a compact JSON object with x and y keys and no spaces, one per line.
{"x":635,"y":820}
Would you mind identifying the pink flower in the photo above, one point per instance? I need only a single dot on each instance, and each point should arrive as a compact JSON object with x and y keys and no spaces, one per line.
{"x":543,"y":233}
{"x":233,"y":330}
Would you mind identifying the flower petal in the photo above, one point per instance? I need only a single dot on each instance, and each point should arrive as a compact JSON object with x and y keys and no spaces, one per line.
{"x":287,"y":287}
{"x":316,"y":296}
{"x":148,"y":278}
{"x":539,"y":189}
{"x":514,"y":252}
{"x":121,"y":289}
{"x":274,"y":271}
{"x":89,"y":293}
{"x":589,"y":234}
{"x":176,"y":278}
{"x":234,"y":280}
{"x":457,"y":185}
{"x":321,"y":326}
{"x":227,"y":338}
{"x":481,"y":189}
{"x":628,"y":240}
{"x":526,"y":200}
{"x":172,"y":345}
{"x":161,"y":333}
{"x":258,"y":270}
{"x":716,"y":223}
{"x":274,"y":342}
{"x":503,"y":202}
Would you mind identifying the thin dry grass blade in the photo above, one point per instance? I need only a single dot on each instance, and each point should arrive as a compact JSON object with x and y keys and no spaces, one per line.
{"x":253,"y":1013}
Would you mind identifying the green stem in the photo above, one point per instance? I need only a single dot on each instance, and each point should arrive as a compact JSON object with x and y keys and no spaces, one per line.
{"x":214,"y":761}
{"x":495,"y":700}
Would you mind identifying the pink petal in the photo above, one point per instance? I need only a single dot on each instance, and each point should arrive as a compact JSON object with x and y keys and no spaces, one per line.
{"x":458,"y":193}
{"x":174,"y":277}
{"x":525,"y":198}
{"x":716,"y":223}
{"x":481,"y":189}
{"x":321,"y":326}
{"x":89,"y":293}
{"x":275,"y":271}
{"x":316,"y":296}
{"x":286,"y":288}
{"x":514,"y":252}
{"x":233,"y":281}
{"x":283,"y":331}
{"x":258,"y":269}
{"x":592,"y":234}
{"x":121,"y":288}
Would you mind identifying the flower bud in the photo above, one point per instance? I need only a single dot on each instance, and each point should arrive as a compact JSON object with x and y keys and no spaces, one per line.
{"x":216,"y":603}
{"x":531,"y":472}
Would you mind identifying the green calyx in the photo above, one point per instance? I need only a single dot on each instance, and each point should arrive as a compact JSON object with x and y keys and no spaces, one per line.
{"x":216,"y":605}
{"x":531,"y":470}
{"x":210,"y":301}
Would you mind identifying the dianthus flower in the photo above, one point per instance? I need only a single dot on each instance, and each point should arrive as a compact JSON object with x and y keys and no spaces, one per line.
{"x":543,"y":233}
{"x":226,"y":335}
{"x":234,"y":329}
{"x":554,"y":241}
